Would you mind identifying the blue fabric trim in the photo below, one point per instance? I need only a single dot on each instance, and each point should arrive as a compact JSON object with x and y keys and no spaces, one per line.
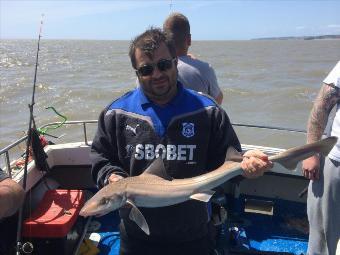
{"x":185,"y":101}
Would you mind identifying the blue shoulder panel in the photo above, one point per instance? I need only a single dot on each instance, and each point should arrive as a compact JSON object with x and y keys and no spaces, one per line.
{"x":128,"y":102}
{"x":185,"y":101}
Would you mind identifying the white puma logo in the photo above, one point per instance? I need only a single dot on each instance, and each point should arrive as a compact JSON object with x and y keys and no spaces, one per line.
{"x":133,"y":130}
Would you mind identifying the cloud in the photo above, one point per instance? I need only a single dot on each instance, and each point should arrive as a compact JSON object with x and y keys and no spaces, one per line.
{"x":300,"y":28}
{"x":333,"y":26}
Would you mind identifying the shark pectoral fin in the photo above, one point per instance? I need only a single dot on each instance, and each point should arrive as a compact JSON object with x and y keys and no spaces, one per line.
{"x":203,"y":196}
{"x":136,"y":216}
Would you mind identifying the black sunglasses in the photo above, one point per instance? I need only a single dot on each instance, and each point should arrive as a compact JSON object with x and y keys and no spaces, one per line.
{"x":162,"y":65}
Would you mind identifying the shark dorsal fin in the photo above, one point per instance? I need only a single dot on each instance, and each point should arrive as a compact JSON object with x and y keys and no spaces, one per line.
{"x":157,"y":168}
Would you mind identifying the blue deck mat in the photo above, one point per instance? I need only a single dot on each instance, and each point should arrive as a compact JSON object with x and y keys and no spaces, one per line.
{"x":278,"y":233}
{"x":285,"y":231}
{"x":109,"y":233}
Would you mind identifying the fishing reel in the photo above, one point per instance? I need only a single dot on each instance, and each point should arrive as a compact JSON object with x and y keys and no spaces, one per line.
{"x":25,"y":248}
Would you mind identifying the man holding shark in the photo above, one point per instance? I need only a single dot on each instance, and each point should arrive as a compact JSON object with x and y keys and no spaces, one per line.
{"x":185,"y":132}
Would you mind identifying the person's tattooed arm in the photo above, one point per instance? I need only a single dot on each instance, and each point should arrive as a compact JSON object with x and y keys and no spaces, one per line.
{"x":328,"y":96}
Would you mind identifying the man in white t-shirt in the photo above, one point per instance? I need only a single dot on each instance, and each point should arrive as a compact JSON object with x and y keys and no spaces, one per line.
{"x":323,"y":204}
{"x":192,"y":73}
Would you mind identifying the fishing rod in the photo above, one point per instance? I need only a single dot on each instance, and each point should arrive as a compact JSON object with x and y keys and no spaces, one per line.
{"x":270,"y":127}
{"x":19,"y":247}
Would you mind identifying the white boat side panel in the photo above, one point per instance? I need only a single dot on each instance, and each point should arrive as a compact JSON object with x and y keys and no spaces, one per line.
{"x":68,"y":154}
{"x":61,"y":154}
{"x":271,"y":186}
{"x":33,"y":176}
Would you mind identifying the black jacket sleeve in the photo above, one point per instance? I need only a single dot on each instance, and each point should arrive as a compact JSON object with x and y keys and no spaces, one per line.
{"x":222,"y":137}
{"x":104,"y":152}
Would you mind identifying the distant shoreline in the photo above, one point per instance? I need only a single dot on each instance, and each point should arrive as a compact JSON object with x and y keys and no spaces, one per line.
{"x":317,"y":37}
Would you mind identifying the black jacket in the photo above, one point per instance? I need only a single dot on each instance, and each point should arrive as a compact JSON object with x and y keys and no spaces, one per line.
{"x":192,"y":134}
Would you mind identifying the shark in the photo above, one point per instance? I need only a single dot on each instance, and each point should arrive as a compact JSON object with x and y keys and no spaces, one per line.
{"x":155,"y":188}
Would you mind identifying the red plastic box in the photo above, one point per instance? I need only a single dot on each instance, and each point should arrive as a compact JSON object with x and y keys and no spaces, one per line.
{"x":55,"y":215}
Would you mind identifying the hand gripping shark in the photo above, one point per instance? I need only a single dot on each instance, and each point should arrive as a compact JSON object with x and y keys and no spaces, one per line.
{"x":155,"y":188}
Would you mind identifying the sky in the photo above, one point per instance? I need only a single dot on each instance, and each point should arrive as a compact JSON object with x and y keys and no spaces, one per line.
{"x":209,"y":20}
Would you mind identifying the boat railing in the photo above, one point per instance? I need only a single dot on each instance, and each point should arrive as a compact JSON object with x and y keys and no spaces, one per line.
{"x":84,"y":124}
{"x":5,"y":152}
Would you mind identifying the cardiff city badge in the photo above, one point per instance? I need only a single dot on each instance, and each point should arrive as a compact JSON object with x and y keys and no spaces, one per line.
{"x":188,"y":129}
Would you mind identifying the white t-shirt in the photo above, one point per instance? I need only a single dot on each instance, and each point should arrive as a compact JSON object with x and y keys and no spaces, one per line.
{"x":334,"y":78}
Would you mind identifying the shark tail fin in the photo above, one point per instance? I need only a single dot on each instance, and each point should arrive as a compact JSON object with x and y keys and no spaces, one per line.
{"x":289,"y":161}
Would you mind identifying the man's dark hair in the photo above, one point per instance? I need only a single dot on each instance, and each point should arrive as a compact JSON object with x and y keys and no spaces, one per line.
{"x":149,"y":41}
{"x":179,"y":26}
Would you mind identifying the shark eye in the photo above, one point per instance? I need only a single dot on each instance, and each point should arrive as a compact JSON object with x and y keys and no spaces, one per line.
{"x":104,"y":201}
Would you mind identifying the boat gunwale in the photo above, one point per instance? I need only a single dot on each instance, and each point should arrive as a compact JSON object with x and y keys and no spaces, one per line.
{"x":6,"y":151}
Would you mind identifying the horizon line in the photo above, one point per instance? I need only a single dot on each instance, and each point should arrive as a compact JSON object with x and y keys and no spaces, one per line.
{"x":249,"y":39}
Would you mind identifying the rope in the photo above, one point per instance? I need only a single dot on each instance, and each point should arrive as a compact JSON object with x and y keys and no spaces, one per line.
{"x":44,"y":130}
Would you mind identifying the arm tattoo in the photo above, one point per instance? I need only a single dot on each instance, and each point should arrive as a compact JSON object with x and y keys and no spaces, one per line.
{"x":328,"y":96}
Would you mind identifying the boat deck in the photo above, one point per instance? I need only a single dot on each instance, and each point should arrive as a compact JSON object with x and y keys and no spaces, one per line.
{"x":284,"y":232}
